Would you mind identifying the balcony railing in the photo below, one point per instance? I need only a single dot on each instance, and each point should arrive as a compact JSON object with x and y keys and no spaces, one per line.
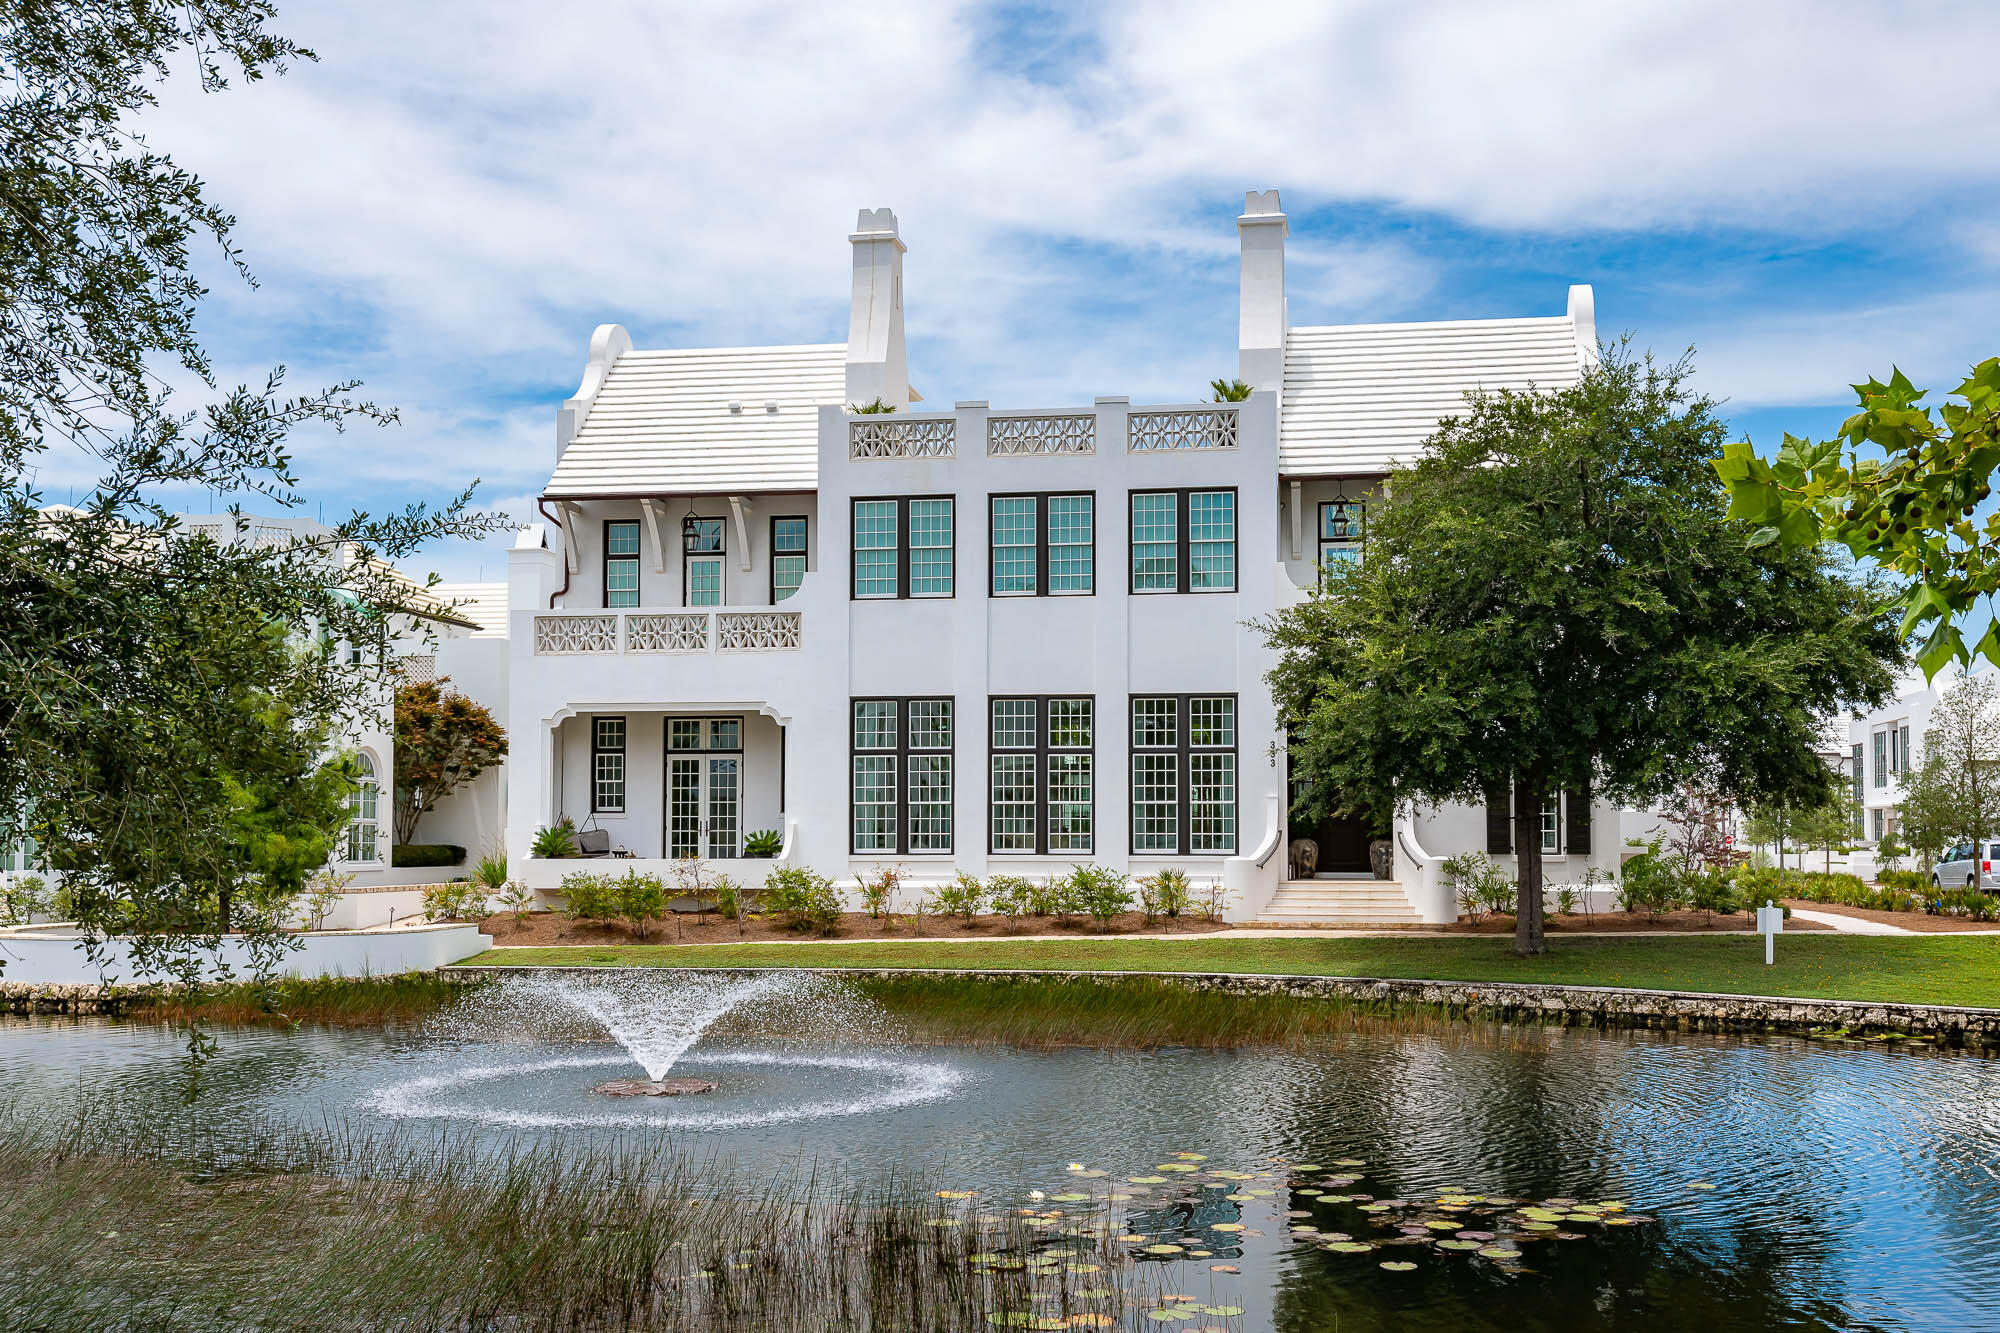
{"x":1041,"y":433}
{"x":559,"y":634}
{"x":886,"y":436}
{"x":1177,"y":429}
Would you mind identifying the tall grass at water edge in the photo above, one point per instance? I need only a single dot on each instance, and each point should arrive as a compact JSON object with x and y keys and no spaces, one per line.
{"x":110,"y":1221}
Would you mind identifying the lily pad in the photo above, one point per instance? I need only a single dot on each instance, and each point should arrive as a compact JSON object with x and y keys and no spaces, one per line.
{"x":1225,"y":1226}
{"x":1458,"y":1245}
{"x":1500,"y":1252}
{"x":1089,"y":1320}
{"x":1164,"y":1248}
{"x":1221,"y":1311}
{"x":1398,"y":1265}
{"x":1147,"y":1180}
{"x":1350,"y":1247}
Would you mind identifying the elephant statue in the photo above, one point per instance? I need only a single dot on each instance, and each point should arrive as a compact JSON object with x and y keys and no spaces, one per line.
{"x":1305,"y":858}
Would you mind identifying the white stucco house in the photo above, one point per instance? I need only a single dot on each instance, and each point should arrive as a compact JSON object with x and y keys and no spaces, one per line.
{"x":973,"y":638}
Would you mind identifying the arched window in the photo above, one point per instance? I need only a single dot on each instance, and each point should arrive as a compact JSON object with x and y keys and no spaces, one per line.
{"x":361,"y":813}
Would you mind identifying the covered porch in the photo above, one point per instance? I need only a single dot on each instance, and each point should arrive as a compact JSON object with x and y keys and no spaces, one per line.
{"x":663,"y":783}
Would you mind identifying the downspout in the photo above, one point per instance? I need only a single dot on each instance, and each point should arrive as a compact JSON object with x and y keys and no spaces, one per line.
{"x":543,"y":505}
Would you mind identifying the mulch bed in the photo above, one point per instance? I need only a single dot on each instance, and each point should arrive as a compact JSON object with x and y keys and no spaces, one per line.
{"x":1921,"y":922}
{"x":547,"y":928}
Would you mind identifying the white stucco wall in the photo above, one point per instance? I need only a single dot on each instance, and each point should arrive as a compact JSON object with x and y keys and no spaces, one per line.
{"x":56,"y":957}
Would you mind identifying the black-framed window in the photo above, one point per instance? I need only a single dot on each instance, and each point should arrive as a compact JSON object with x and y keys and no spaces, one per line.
{"x":1342,"y":526}
{"x":607,"y":765}
{"x":1042,"y":763}
{"x":621,"y":562}
{"x":788,"y":556}
{"x":900,"y":776}
{"x":1042,"y":545}
{"x":1184,"y":541}
{"x":1183,"y":774}
{"x":702,"y":552}
{"x":903,"y":547}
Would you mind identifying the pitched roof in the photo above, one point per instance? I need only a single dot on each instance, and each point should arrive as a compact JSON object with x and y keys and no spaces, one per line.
{"x":1363,"y":398}
{"x":483,"y":604}
{"x":662,"y":425}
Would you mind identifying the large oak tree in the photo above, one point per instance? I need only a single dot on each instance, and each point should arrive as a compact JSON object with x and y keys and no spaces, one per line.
{"x":1551,"y":600}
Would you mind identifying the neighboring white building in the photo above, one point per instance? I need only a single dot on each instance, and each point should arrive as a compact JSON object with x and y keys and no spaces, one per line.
{"x":982,"y":639}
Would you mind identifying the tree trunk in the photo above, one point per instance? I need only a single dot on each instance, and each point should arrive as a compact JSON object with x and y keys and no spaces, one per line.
{"x":1529,"y":797}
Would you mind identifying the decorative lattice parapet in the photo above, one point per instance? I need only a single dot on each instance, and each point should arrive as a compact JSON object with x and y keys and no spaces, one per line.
{"x":1181,"y":429}
{"x":671,"y":632}
{"x":886,"y":436}
{"x":417,"y":668}
{"x":1043,"y":433}
{"x":576,"y":634}
{"x":756,"y":631}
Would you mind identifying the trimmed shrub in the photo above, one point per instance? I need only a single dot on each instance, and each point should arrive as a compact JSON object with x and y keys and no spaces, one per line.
{"x":1648,"y":883}
{"x":418,"y":855}
{"x":805,"y":896}
{"x":454,"y":902}
{"x":589,"y":897}
{"x":1100,"y":891}
{"x":1713,"y":892}
{"x":1050,"y":896}
{"x":962,"y":897}
{"x":640,"y":898}
{"x":1168,"y":894}
{"x":1012,"y":896}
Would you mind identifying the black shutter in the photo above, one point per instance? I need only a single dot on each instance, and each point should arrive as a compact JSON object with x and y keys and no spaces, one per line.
{"x":1577,"y":817}
{"x":1499,"y":821}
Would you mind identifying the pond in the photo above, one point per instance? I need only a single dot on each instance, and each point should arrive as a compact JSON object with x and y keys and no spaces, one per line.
{"x":1777,"y":1183}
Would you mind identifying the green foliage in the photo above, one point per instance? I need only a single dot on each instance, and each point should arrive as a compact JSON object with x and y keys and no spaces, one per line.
{"x":962,"y":897}
{"x":871,"y":409}
{"x":1818,"y":818}
{"x":1650,"y":882}
{"x":588,"y":896}
{"x":807,"y":897}
{"x":23,"y":898}
{"x":1564,"y":896}
{"x":555,"y":841}
{"x":1971,"y":903}
{"x":491,"y":871}
{"x":1478,"y":886}
{"x":1552,"y":599}
{"x":1906,"y":881}
{"x":443,"y":741}
{"x":1889,"y":851}
{"x":641,"y":899}
{"x":1012,"y":896}
{"x":166,"y":700}
{"x":421,"y":855}
{"x":1098,"y":890}
{"x":1051,"y":895}
{"x":517,"y":899}
{"x":763,"y":844}
{"x":454,"y":902}
{"x":1711,"y":892}
{"x":322,"y":896}
{"x":1168,"y":893}
{"x":1899,"y":486}
{"x":728,"y":895}
{"x":878,"y":891}
{"x":1229,"y":391}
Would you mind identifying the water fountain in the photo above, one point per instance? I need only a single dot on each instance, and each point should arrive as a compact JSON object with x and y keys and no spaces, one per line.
{"x":788,"y":1074}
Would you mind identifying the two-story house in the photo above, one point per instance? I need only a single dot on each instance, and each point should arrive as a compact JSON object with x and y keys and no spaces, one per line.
{"x":970,"y":638}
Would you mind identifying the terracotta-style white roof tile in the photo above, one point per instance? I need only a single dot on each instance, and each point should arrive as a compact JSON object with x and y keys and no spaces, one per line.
{"x":661,"y":424}
{"x":1362,"y":398}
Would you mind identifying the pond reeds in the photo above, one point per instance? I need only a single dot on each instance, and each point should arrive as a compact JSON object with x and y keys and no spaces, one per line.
{"x":111,"y":1222}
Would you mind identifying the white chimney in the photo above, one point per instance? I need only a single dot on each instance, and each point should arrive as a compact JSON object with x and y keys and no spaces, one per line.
{"x":1583,"y":318}
{"x":1260,"y":336}
{"x":876,"y":365}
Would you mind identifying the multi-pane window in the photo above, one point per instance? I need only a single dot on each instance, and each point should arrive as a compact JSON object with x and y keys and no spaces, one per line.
{"x":788,"y":557}
{"x":903,"y":547}
{"x":701,"y":547}
{"x":1183,"y":774}
{"x":361,"y":813}
{"x":621,"y":562}
{"x":607,"y":765}
{"x":1881,"y":758}
{"x":1183,"y":541}
{"x":704,"y":733}
{"x":1552,"y":826}
{"x":1341,"y":526}
{"x":901,"y":784}
{"x":1042,"y":796}
{"x":1043,"y":545}
{"x":1903,"y":748}
{"x":1879,"y":817}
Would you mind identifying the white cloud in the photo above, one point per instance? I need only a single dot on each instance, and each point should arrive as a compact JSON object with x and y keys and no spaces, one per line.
{"x":459,"y":191}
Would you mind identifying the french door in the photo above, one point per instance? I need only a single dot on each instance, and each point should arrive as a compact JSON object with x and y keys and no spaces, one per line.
{"x":705,"y":789}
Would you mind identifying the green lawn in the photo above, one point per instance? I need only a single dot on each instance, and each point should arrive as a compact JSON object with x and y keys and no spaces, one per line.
{"x":1935,"y":969}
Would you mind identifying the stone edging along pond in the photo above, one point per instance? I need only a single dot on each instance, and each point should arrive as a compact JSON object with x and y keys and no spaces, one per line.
{"x":1503,"y":1001}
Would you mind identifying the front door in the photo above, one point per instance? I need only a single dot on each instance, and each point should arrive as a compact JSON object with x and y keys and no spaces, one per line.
{"x":704,"y":788}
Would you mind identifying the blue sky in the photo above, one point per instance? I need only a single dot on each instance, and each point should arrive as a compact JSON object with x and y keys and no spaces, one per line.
{"x":457,"y":193}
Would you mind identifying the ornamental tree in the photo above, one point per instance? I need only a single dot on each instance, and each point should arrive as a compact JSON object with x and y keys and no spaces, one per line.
{"x":1962,"y":757}
{"x":443,"y":741}
{"x":152,"y":683}
{"x":1551,"y":600}
{"x":1900,"y":485}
